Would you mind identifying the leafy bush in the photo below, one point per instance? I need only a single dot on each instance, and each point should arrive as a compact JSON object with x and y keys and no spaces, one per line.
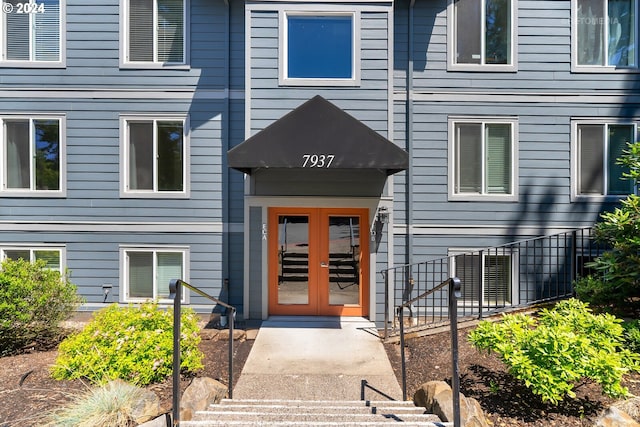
{"x":564,"y":345}
{"x":131,"y":343}
{"x":108,"y":406}
{"x":616,"y":279}
{"x":33,"y":302}
{"x":632,"y":335}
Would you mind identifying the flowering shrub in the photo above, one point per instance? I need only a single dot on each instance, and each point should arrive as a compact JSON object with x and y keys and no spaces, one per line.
{"x":131,"y":343}
{"x":564,"y":345}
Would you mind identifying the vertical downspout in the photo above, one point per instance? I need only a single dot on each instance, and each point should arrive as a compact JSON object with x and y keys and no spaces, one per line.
{"x":226,"y":145}
{"x":409,"y":125}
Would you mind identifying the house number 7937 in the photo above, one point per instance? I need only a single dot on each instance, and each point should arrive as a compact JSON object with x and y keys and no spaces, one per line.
{"x":317,"y":160}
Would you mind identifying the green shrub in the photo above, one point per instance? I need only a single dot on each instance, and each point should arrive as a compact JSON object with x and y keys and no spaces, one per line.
{"x":33,"y":302}
{"x":131,"y":343}
{"x":561,"y":347}
{"x":615,"y":282}
{"x":632,"y":335}
{"x":108,"y":406}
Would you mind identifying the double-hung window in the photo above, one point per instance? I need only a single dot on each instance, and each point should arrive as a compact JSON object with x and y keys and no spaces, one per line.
{"x":486,"y":276}
{"x":596,"y":148}
{"x":319,"y":48}
{"x":154,"y":153}
{"x":147,"y":272}
{"x":482,"y":34}
{"x":605,"y":34}
{"x":32,"y":156}
{"x":482,"y":159}
{"x":51,"y":256}
{"x":31,"y":32}
{"x":155,"y":32}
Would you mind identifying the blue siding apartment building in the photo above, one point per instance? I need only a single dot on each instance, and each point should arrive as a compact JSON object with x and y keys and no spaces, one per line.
{"x":279,"y":154}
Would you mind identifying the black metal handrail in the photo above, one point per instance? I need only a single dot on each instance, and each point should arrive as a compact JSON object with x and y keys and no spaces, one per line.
{"x":175,"y":290}
{"x":494,"y":279}
{"x":454,"y":293}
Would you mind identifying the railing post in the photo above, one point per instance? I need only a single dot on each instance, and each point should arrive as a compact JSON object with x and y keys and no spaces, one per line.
{"x":232,"y":319}
{"x":386,"y":304}
{"x":403,"y":364}
{"x":482,"y":284}
{"x":454,"y":293}
{"x":175,"y":288}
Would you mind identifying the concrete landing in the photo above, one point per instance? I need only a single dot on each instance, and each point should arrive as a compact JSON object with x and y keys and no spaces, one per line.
{"x":317,"y":358}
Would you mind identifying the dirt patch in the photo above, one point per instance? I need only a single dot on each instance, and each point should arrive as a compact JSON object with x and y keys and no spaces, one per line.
{"x":28,"y":392}
{"x":506,"y":402}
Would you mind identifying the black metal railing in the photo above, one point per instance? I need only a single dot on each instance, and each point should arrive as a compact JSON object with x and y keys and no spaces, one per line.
{"x":175,"y":289}
{"x":493,"y":279}
{"x":452,"y":287}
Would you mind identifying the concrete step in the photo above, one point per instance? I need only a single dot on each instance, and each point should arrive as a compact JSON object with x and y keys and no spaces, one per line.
{"x":254,"y":412}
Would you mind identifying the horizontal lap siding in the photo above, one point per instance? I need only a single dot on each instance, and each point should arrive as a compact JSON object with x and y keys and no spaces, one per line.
{"x":93,"y":259}
{"x":367,"y":102}
{"x":544,"y":95}
{"x":92,"y":92}
{"x":93,"y":52}
{"x":93,"y":164}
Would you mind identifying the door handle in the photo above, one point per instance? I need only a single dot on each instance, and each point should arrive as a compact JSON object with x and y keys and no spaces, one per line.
{"x":324,"y":264}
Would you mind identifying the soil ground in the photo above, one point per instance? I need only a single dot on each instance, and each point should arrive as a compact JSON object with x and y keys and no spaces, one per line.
{"x":505,"y":401}
{"x":28,"y":392}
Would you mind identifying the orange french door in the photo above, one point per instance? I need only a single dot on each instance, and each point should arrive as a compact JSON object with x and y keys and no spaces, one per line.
{"x":318,"y":261}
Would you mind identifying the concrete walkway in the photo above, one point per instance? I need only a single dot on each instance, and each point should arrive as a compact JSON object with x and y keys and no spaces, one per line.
{"x":317,"y":358}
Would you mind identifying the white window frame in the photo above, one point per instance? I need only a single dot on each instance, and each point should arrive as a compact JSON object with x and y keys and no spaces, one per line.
{"x":33,"y":63}
{"x":453,"y":167}
{"x":575,"y":67}
{"x":124,"y":40}
{"x":452,"y":65}
{"x":334,"y":10}
{"x":514,"y":291}
{"x":124,"y":157}
{"x":62,"y":191}
{"x":35,"y":248}
{"x":575,"y":158}
{"x":124,"y":272}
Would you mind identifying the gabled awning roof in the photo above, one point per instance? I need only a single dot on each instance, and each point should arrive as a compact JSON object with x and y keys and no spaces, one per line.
{"x":318,"y":128}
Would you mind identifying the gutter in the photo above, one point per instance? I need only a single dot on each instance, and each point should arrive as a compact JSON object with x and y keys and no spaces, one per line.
{"x":409,"y":137}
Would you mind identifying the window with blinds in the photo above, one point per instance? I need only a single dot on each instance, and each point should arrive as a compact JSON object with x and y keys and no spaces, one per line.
{"x":51,"y":257}
{"x":483,"y":161}
{"x":487,"y":275}
{"x":148,"y":272}
{"x":33,"y":36}
{"x":156,"y":31}
{"x":599,"y":146}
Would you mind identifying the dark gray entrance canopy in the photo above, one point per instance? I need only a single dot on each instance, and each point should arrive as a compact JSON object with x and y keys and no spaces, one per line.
{"x":318,"y":135}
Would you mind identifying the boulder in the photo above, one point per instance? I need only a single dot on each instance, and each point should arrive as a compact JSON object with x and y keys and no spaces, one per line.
{"x":238,"y":334}
{"x":424,"y":395}
{"x":201,"y":393}
{"x":437,"y":397}
{"x":161,"y":421}
{"x":614,"y":417}
{"x":146,"y":408}
{"x":631,"y":407}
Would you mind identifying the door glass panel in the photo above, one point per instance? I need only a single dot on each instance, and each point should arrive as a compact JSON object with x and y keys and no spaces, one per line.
{"x":344,"y":260}
{"x":293,"y":259}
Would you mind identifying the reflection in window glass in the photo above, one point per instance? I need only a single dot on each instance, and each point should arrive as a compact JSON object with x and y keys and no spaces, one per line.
{"x":320,"y":47}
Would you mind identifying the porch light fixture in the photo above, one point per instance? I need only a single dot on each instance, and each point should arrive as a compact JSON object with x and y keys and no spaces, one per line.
{"x":383,"y":215}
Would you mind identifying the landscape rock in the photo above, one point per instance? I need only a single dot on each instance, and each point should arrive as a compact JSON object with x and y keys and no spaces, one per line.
{"x":161,"y":421}
{"x":437,"y":397}
{"x":423,"y":397}
{"x":238,"y":334}
{"x":146,"y":408}
{"x":631,"y":407}
{"x":614,"y":417}
{"x":209,"y":334}
{"x":201,"y":393}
